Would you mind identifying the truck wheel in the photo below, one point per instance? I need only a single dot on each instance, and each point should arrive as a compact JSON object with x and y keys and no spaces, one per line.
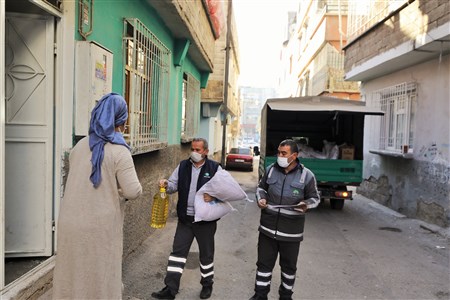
{"x":337,"y":203}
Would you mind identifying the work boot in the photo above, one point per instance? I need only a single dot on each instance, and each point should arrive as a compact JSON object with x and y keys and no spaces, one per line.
{"x":206,"y":292}
{"x":165,"y":293}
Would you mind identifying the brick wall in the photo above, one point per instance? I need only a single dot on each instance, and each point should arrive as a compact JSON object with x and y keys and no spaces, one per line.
{"x":189,"y":19}
{"x":196,"y":18}
{"x":415,"y":19}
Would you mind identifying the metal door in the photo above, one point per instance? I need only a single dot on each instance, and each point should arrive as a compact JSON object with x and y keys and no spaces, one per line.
{"x":28,"y":134}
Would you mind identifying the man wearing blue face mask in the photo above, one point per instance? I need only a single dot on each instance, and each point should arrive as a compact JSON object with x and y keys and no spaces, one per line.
{"x":189,"y":176}
{"x":286,"y":191}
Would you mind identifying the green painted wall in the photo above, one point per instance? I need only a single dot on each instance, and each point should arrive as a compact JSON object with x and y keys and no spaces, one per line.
{"x":189,"y":67}
{"x":107,"y":31}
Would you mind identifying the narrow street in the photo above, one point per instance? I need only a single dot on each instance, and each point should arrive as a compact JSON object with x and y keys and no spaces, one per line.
{"x":365,"y":251}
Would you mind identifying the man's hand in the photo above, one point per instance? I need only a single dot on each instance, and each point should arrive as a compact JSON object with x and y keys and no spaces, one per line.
{"x":302,"y":207}
{"x":262,"y":203}
{"x":207,"y":197}
{"x":163,"y":183}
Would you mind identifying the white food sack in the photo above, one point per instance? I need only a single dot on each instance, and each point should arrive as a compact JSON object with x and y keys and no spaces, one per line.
{"x":222,"y":187}
{"x":210,"y":211}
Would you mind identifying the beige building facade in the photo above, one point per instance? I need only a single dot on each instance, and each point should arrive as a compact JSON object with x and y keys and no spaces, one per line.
{"x":312,"y":57}
{"x":399,"y":51}
{"x":222,"y":91}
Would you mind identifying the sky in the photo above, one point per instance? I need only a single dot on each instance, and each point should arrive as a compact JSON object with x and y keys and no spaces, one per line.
{"x":262,"y":29}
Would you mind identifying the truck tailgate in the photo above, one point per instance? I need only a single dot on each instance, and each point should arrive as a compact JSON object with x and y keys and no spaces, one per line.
{"x":331,"y":171}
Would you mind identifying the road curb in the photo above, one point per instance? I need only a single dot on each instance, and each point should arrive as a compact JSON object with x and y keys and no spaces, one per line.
{"x":380,"y":207}
{"x":444,"y":232}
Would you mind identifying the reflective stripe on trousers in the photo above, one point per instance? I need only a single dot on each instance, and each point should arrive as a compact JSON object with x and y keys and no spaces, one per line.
{"x":268,"y":251}
{"x":185,"y":233}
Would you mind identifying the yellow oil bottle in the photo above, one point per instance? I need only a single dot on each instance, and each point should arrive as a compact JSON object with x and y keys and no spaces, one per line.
{"x":160,"y":209}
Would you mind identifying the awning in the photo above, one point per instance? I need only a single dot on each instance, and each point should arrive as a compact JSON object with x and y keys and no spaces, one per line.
{"x":320,"y":103}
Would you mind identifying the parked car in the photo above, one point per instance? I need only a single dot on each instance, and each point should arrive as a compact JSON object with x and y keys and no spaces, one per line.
{"x":240,"y":158}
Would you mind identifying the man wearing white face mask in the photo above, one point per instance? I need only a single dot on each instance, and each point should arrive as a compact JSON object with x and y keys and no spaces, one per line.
{"x":189,"y":176}
{"x":286,"y":191}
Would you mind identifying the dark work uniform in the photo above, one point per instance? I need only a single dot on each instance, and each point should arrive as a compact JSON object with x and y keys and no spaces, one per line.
{"x":187,"y":230}
{"x":281,"y":229}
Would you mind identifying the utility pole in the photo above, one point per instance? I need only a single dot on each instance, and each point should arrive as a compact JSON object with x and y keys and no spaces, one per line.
{"x":225,"y":92}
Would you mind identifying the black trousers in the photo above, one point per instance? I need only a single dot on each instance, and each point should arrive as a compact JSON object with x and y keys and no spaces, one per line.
{"x":184,"y":235}
{"x":268,"y":250}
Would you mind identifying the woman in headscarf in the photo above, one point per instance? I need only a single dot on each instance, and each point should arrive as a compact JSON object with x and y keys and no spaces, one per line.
{"x":90,"y":238}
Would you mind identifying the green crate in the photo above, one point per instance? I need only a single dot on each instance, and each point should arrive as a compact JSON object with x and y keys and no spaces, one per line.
{"x":348,"y":172}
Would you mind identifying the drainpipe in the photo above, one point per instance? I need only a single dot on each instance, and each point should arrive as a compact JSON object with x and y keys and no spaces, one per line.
{"x":225,"y":92}
{"x":2,"y":143}
{"x":340,"y":24}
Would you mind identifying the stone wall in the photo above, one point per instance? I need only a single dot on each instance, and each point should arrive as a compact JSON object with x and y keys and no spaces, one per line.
{"x":150,"y":167}
{"x":417,"y":189}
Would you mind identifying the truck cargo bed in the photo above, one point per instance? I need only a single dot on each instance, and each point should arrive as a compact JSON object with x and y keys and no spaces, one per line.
{"x":330,"y":171}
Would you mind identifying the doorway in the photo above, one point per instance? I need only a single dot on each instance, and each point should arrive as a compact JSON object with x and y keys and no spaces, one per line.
{"x":29,"y":136}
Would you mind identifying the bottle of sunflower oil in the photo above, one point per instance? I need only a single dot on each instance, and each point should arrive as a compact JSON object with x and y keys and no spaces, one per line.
{"x":160,"y":209}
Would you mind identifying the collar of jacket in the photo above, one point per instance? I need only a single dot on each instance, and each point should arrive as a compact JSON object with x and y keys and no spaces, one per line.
{"x":193,"y":163}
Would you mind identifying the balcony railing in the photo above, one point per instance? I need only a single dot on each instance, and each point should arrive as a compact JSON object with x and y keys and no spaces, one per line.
{"x":330,"y":74}
{"x":363,"y":15}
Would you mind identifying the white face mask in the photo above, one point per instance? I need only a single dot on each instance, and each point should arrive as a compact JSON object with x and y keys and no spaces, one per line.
{"x":283,"y":161}
{"x":196,"y":157}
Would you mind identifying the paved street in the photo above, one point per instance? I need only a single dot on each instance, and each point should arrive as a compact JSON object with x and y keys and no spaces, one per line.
{"x":365,"y":251}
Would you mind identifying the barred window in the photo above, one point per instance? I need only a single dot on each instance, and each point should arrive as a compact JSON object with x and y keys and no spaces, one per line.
{"x":396,"y":128}
{"x":146,"y":90}
{"x":190,"y":110}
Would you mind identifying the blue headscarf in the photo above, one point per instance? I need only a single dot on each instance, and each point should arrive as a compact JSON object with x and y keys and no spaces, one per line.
{"x":111,"y":111}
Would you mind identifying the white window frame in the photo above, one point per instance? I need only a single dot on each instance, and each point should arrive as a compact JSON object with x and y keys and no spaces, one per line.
{"x":190,"y":108}
{"x":146,"y":63}
{"x":397,"y":125}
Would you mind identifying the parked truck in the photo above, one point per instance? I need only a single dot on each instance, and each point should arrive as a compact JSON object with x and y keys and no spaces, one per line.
{"x":330,"y":134}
